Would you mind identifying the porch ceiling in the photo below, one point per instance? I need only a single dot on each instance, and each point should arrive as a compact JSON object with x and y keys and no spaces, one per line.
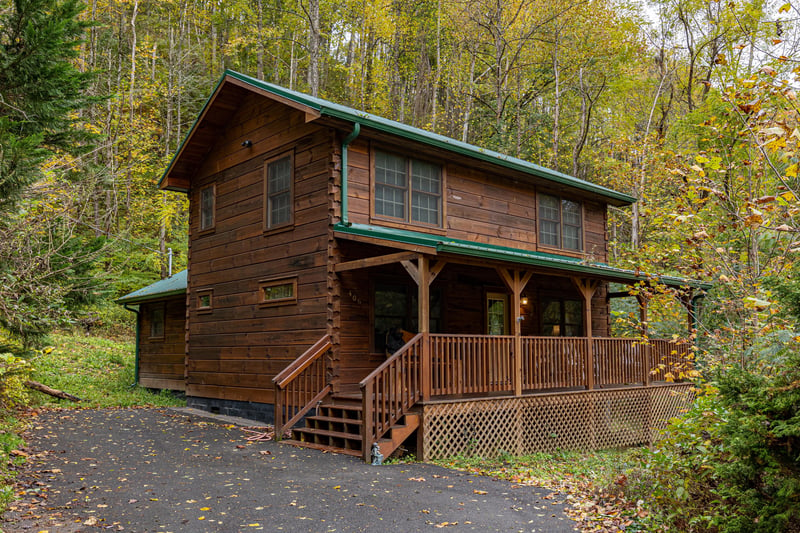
{"x":543,"y":260}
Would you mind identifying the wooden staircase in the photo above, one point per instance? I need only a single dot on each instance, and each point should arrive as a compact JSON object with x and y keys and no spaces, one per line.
{"x":336,"y":425}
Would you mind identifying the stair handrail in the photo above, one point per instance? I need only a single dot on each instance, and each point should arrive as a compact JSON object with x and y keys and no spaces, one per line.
{"x":291,"y":392}
{"x":390,"y":390}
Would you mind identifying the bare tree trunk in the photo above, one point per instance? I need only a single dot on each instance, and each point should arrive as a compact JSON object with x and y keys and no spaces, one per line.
{"x":556,"y":103}
{"x":468,"y":103}
{"x":260,"y":50}
{"x":313,"y":47}
{"x":435,"y":99}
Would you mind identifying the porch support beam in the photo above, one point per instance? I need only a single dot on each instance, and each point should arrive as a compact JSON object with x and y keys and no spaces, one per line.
{"x":643,"y":300}
{"x":516,"y":280}
{"x":423,"y":312}
{"x":374,"y":261}
{"x":587,"y":288}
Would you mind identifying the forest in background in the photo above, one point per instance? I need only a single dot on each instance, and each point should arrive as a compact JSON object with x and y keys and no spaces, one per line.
{"x":690,"y":106}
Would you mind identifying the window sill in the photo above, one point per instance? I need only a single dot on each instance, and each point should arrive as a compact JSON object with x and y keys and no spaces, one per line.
{"x":560,"y":251}
{"x":410,"y":226}
{"x":278,"y":229}
{"x":208,"y":231}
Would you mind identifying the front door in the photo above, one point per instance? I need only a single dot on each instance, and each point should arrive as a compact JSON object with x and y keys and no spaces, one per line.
{"x":497,"y":313}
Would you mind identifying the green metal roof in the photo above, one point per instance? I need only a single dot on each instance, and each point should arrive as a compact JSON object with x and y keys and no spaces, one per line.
{"x":172,"y":286}
{"x":513,"y":255}
{"x":330,"y":109}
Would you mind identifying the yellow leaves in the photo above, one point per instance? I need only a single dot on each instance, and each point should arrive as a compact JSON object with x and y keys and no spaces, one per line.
{"x":785,"y":8}
{"x":476,"y":491}
{"x":791,"y":172}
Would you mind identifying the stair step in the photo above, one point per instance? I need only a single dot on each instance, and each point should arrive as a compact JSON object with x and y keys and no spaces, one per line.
{"x":335,"y":419}
{"x":328,"y":433}
{"x":323,"y":447}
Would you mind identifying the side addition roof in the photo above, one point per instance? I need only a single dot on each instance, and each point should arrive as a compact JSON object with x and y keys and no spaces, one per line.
{"x":203,"y":134}
{"x":172,"y":286}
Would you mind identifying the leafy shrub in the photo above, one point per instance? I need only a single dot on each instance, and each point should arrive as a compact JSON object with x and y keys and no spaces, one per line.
{"x":679,"y":478}
{"x":14,"y":371}
{"x":763,"y":438}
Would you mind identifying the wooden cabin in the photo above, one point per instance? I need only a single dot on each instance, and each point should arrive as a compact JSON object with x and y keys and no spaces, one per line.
{"x":160,"y":311}
{"x":363,"y":282}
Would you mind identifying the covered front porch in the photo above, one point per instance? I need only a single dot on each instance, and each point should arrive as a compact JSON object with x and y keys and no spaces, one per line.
{"x":494,"y":345}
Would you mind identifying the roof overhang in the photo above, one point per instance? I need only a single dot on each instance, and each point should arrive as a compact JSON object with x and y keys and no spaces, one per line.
{"x":160,"y":290}
{"x":540,"y":260}
{"x":232,"y":84}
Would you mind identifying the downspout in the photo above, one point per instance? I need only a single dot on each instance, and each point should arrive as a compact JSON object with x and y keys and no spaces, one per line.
{"x":136,"y":352}
{"x":350,"y":138}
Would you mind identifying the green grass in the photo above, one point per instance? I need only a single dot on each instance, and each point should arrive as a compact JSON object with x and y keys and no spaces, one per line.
{"x":97,"y":370}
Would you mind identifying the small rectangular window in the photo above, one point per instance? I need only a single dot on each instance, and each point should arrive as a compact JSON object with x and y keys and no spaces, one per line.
{"x":205,"y":301}
{"x":278,"y":191}
{"x":207,"y":206}
{"x":408,"y":189}
{"x":278,"y":292}
{"x":560,"y":223}
{"x":157,"y":322}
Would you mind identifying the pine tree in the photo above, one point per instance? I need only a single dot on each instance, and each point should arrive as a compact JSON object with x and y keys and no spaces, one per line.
{"x":41,"y":88}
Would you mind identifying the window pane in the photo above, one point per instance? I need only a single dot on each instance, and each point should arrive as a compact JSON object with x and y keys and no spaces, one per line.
{"x":549,"y":233}
{"x":496,"y":314}
{"x":571,"y":212}
{"x":549,"y":207}
{"x":425,"y":208}
{"x":390,"y":169}
{"x":279,"y":292}
{"x":157,"y":322}
{"x":280,"y":173}
{"x":207,"y":208}
{"x":572,"y":238}
{"x":425,"y":177}
{"x":391,"y":309}
{"x":280,"y":211}
{"x":390,"y":201}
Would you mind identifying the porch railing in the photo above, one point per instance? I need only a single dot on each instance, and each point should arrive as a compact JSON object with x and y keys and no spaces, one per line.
{"x":390,"y":390}
{"x":468,"y":364}
{"x":474,"y":364}
{"x":300,"y":386}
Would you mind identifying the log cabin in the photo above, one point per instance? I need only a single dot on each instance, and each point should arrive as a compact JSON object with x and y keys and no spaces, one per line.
{"x":363,"y":284}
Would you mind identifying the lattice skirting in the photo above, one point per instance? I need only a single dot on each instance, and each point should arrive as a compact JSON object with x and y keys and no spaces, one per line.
{"x":568,"y":421}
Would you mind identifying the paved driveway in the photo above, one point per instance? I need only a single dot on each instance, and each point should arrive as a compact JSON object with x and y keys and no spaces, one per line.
{"x":161,"y":470}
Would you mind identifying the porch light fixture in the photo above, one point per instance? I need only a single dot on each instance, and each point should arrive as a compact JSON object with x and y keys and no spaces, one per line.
{"x":524,"y":300}
{"x":248,"y":143}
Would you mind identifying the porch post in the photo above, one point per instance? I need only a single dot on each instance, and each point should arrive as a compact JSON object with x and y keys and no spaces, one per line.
{"x":516,"y":282}
{"x":587,"y":288}
{"x":423,"y":314}
{"x":646,"y":349}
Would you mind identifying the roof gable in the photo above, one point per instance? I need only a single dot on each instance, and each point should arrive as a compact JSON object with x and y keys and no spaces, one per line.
{"x":233,"y":86}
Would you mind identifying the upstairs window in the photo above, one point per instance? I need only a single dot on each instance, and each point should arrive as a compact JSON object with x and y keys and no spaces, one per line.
{"x":407,"y":189}
{"x":560,"y":223}
{"x":207,"y":205}
{"x":278,"y":191}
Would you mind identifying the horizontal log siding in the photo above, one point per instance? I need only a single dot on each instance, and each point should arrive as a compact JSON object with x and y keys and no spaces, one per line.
{"x":161,"y":360}
{"x":235,"y":350}
{"x":480,"y":207}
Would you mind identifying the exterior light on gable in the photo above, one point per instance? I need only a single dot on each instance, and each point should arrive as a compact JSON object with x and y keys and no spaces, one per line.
{"x":248,"y":143}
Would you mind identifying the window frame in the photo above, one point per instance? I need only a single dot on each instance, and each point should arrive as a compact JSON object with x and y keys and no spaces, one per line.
{"x":276,"y":282}
{"x":204,"y":229}
{"x":562,"y":324}
{"x":154,"y":308}
{"x":581,"y":229}
{"x":408,"y":191}
{"x":199,"y":295}
{"x":268,"y":226}
{"x":411,"y":318}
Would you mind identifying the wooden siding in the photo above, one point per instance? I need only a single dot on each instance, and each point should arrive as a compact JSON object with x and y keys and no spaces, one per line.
{"x":235,"y":349}
{"x":481,"y":205}
{"x":161,"y":359}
